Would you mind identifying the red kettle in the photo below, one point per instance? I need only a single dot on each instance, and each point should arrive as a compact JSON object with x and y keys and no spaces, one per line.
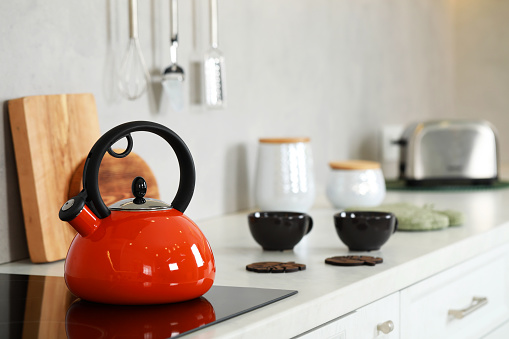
{"x":140,"y":250}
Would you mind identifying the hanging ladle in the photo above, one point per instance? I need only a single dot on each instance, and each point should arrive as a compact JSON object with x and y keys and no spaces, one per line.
{"x":173,"y":75}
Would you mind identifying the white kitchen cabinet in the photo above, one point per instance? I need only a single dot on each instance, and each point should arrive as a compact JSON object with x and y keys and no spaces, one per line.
{"x":379,"y":320}
{"x":470,"y":300}
{"x":467,"y":301}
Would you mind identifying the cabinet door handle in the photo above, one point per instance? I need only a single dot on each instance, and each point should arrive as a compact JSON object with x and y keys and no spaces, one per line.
{"x":385,"y":327}
{"x":477,"y":302}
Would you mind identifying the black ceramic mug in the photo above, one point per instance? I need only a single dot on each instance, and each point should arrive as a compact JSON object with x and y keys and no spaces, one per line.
{"x":365,"y":230}
{"x":278,"y":231}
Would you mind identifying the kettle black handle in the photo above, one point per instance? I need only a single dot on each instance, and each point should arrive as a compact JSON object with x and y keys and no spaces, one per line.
{"x":91,"y":171}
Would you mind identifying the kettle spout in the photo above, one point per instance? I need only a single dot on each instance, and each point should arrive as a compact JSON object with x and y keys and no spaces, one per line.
{"x":79,"y":216}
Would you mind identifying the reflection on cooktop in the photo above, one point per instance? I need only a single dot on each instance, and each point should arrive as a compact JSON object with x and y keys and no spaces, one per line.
{"x":43,"y":307}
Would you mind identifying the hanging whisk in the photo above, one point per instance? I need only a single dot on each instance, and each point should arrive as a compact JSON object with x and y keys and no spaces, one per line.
{"x":133,"y":74}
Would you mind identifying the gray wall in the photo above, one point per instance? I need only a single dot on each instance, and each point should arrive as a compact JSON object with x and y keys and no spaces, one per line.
{"x":334,"y":70}
{"x":482,"y":62}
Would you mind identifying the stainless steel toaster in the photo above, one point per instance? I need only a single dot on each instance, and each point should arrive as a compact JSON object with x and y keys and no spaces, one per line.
{"x":449,"y":152}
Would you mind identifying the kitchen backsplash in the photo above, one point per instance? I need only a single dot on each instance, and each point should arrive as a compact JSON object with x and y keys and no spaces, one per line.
{"x":333,"y":70}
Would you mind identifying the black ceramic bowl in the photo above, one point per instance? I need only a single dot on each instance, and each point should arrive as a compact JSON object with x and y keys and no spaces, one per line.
{"x":279,"y":230}
{"x":365,"y":230}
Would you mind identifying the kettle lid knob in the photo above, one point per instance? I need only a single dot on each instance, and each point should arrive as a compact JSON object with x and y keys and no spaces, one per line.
{"x":139,"y":189}
{"x":139,"y":203}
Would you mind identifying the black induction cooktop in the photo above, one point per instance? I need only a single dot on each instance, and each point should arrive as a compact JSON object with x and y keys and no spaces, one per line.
{"x":42,"y":307}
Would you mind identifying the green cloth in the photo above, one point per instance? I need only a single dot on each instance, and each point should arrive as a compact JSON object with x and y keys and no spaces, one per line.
{"x":415,"y":218}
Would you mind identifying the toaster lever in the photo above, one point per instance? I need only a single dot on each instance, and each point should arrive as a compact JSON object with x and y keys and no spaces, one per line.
{"x":400,"y":142}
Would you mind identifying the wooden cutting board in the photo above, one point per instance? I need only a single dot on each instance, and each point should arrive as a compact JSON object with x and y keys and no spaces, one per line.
{"x":52,"y":134}
{"x":115,"y":178}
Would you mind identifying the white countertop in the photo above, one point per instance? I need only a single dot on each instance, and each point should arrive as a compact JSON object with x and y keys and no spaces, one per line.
{"x":326,"y":292}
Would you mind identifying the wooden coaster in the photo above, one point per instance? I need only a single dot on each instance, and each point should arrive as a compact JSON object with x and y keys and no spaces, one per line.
{"x":275,"y":267}
{"x":354,"y":260}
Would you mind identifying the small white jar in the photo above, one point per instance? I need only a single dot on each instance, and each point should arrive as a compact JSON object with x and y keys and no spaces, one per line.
{"x":284,"y":175}
{"x":355,"y":183}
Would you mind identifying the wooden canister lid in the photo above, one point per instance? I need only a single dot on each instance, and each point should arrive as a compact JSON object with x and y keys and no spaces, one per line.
{"x":354,"y":165}
{"x":283,"y":140}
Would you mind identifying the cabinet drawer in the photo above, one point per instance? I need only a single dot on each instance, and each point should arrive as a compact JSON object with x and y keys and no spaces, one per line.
{"x":379,"y":319}
{"x":368,"y":322}
{"x":466,"y":301}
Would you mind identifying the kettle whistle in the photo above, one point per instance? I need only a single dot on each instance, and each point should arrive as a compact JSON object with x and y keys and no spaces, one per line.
{"x":138,"y":250}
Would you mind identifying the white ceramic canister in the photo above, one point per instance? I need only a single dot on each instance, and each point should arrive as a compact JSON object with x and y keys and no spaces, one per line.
{"x":284,"y":175}
{"x":355,"y":183}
